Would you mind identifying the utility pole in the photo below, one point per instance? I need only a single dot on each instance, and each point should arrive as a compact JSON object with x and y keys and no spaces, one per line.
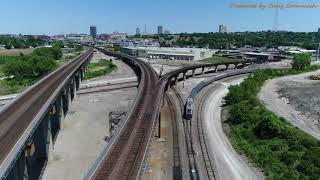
{"x":318,"y":52}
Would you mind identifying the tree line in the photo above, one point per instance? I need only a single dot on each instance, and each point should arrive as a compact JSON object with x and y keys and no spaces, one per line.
{"x":240,"y":39}
{"x":22,"y":70}
{"x":21,"y":42}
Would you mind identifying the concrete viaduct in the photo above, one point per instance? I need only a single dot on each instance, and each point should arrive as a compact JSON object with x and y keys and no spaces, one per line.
{"x":30,"y":124}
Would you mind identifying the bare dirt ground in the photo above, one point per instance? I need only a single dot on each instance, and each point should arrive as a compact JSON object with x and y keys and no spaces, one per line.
{"x":87,"y":124}
{"x":229,"y":164}
{"x":160,"y":161}
{"x":295,"y":98}
{"x":83,"y":133}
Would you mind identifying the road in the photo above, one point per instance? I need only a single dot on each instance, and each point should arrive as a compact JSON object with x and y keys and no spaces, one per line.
{"x":228,"y":164}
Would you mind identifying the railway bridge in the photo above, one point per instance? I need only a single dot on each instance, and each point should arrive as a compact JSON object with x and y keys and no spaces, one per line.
{"x":125,"y":156}
{"x":30,"y":124}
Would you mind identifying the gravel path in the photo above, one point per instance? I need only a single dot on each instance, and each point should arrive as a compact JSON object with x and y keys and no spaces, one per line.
{"x":295,"y":98}
{"x":229,"y":164}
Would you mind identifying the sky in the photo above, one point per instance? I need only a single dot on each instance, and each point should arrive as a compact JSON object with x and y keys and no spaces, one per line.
{"x":67,"y":16}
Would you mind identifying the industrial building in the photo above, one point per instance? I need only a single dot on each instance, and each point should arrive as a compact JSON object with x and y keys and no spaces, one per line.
{"x":186,"y":54}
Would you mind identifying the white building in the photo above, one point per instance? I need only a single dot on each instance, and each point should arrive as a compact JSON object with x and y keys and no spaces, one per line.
{"x":223,"y":29}
{"x":188,"y":54}
{"x":117,"y":37}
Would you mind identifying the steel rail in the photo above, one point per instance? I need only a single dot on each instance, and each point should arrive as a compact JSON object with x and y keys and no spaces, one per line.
{"x":177,"y":170}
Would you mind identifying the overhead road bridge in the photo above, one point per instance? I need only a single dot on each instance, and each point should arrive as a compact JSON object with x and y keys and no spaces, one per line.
{"x":30,"y":124}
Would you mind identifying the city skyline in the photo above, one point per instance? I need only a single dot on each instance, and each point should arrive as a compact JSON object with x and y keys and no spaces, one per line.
{"x":51,"y":18}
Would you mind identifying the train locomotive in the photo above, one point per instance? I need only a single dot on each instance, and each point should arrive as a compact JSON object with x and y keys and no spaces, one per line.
{"x":188,"y":111}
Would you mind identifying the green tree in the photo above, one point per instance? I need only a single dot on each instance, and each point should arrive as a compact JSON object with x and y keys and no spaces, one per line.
{"x":53,"y":52}
{"x":29,"y":68}
{"x":269,"y":127}
{"x":7,"y":46}
{"x":56,"y":52}
{"x":301,"y":61}
{"x":79,"y":48}
{"x":58,"y":44}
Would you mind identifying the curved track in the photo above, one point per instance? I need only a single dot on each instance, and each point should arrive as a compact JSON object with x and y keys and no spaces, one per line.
{"x":125,"y":156}
{"x":227,"y":162}
{"x":124,"y":159}
{"x":202,"y":139}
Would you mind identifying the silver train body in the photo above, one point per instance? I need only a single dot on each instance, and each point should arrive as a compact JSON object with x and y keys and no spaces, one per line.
{"x":188,"y":112}
{"x":189,"y":105}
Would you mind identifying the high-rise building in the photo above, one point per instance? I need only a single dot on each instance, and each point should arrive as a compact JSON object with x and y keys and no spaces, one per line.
{"x":318,"y":30}
{"x":93,"y":31}
{"x":166,"y":31}
{"x":138,"y":33}
{"x":223,"y":29}
{"x":160,"y":29}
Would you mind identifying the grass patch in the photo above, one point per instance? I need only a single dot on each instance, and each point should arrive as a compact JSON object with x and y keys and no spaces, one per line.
{"x":6,"y":89}
{"x":17,"y":84}
{"x":1,"y":71}
{"x":5,"y":59}
{"x":100,"y":68}
{"x":68,"y":57}
{"x":218,"y":59}
{"x":281,"y":150}
{"x":15,"y":52}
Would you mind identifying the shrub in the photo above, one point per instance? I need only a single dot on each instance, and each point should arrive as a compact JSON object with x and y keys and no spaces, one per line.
{"x":269,"y":127}
{"x":281,"y":150}
{"x":301,"y":61}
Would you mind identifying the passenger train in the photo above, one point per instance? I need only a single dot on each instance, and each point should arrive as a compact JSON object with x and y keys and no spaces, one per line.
{"x":188,"y":111}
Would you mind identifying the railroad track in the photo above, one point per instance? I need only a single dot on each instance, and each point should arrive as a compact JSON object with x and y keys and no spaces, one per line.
{"x":209,"y":166}
{"x":123,"y":160}
{"x":187,"y":127}
{"x":200,"y":132}
{"x":25,"y":109}
{"x":177,"y":172}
